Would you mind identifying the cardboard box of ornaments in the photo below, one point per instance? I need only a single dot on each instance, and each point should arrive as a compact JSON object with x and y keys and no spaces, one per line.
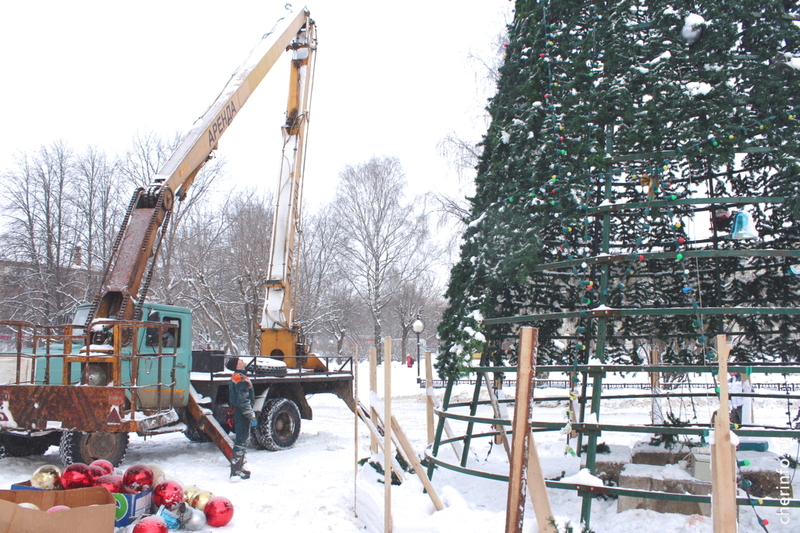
{"x":128,"y":507}
{"x":91,"y":510}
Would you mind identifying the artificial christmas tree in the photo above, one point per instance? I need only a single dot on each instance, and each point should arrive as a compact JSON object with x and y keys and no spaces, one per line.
{"x":637,"y":190}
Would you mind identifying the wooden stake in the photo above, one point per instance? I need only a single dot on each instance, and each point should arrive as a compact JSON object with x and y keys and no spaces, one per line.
{"x":428,"y":391}
{"x":656,"y":413}
{"x":747,"y":403}
{"x":373,"y":389}
{"x":355,"y":434}
{"x":523,"y":448}
{"x":387,"y":435}
{"x":498,"y":415}
{"x":723,"y":472}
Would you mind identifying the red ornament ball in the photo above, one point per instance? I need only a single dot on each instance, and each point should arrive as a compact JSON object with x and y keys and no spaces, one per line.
{"x":56,"y":508}
{"x":219,"y":511}
{"x":137,"y":478}
{"x":169,"y":494}
{"x":96,"y":471}
{"x":107,"y":467}
{"x":76,"y":476}
{"x":151,"y":524}
{"x":112,"y":482}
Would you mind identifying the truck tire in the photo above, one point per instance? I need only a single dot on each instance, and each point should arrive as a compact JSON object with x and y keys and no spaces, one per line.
{"x":278,"y":424}
{"x":23,"y":446}
{"x":83,"y":447}
{"x":196,"y":435}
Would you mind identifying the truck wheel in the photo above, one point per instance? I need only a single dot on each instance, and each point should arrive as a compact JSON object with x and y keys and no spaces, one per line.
{"x":278,"y":424}
{"x":22,"y":446}
{"x":197,"y":435}
{"x":81,"y":447}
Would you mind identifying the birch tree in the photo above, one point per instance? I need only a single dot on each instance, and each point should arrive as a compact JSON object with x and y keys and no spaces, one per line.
{"x":382,"y":236}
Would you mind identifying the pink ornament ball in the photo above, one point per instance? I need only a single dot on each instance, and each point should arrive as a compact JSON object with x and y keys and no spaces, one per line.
{"x":137,"y":478}
{"x":112,"y":482}
{"x":169,"y":494}
{"x":219,"y":511}
{"x":76,"y":476}
{"x":56,"y":508}
{"x":151,"y":524}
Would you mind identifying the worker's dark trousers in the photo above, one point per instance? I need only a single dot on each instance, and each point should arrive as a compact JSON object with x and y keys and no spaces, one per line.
{"x":241,"y":425}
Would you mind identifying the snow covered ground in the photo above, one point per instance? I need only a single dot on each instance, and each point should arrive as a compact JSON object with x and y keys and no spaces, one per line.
{"x":312,"y":487}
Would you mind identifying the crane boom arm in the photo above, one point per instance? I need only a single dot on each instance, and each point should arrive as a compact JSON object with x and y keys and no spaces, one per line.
{"x":125,"y":282}
{"x":278,"y":302}
{"x":193,"y":151}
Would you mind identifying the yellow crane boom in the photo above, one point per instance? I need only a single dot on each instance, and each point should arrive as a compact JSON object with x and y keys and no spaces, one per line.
{"x":125,"y":283}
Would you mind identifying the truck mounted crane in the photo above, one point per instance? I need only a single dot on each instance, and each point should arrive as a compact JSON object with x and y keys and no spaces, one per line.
{"x":126,"y":364}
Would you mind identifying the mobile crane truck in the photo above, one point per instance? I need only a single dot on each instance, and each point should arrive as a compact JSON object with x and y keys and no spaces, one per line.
{"x":126,"y":365}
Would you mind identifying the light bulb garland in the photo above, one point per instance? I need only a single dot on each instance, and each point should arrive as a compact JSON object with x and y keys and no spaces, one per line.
{"x":660,"y":228}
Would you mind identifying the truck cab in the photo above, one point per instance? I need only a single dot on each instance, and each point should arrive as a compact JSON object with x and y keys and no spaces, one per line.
{"x":147,"y":358}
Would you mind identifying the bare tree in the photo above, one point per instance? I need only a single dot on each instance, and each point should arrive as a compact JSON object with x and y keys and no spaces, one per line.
{"x":463,"y":154}
{"x":99,"y":211}
{"x":383,"y":238}
{"x":248,"y":240}
{"x":40,"y":234}
{"x":317,"y":273}
{"x":416,"y":299}
{"x":223,"y":256}
{"x":146,"y":156}
{"x":205,"y":285}
{"x":148,"y":152}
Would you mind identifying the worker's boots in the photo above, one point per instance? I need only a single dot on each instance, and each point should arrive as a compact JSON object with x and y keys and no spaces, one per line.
{"x":238,"y":471}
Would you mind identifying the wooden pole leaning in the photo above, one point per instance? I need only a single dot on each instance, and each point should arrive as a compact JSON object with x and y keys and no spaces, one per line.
{"x":525,"y":469}
{"x":723,"y":470}
{"x":413,"y":460}
{"x":387,"y":435}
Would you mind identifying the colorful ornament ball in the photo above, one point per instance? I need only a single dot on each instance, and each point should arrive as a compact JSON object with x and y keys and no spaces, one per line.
{"x":219,"y":511}
{"x":76,"y":476}
{"x":151,"y":524}
{"x":137,"y":478}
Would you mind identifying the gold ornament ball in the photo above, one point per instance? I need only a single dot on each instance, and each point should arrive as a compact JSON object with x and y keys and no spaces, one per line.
{"x":46,"y":477}
{"x":200,"y":499}
{"x":158,"y":474}
{"x":189,"y":493}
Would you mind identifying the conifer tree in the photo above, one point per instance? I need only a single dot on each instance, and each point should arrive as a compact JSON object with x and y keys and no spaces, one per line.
{"x":636,"y":148}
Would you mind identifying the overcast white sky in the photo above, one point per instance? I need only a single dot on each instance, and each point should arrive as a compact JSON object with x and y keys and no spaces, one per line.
{"x":392,"y":78}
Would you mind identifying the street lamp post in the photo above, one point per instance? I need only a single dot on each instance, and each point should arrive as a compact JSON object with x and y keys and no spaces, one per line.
{"x":418,"y":326}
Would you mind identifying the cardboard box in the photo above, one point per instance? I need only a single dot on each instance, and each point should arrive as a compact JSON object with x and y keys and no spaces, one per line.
{"x":131,"y":506}
{"x":128,"y":506}
{"x":25,"y":485}
{"x":91,"y":511}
